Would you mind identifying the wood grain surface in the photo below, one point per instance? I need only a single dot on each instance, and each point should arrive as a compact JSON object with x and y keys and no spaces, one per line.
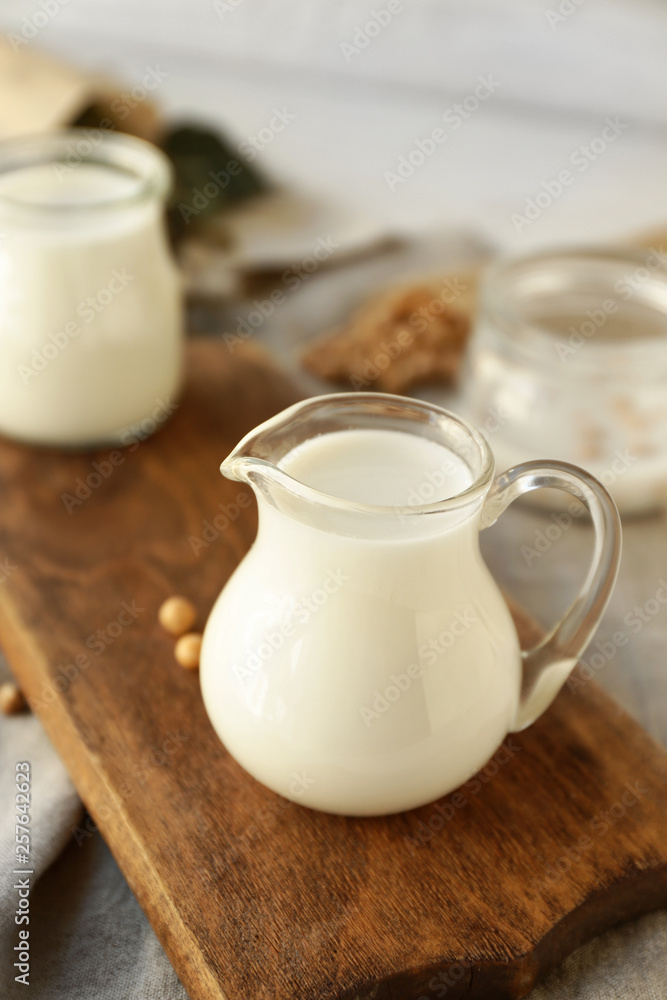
{"x":559,"y":837}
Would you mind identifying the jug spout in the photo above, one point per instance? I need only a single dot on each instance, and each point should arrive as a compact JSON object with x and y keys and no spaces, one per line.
{"x":244,"y":466}
{"x":256,"y":458}
{"x":240,"y":467}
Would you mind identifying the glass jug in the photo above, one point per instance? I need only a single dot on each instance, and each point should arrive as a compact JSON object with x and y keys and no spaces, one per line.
{"x":361,"y":659}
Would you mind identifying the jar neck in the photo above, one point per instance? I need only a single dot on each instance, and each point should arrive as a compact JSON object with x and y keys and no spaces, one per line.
{"x":579,"y":312}
{"x":54,"y":180}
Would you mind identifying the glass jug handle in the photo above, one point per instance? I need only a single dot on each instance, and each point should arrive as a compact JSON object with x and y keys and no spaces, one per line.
{"x":547,"y":665}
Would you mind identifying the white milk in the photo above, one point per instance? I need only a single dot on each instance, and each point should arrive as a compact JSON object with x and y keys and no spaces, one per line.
{"x":378,"y":467}
{"x":90,"y":325}
{"x":364,"y":675}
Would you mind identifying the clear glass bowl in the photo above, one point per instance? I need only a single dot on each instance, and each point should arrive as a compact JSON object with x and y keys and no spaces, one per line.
{"x":568,"y":360}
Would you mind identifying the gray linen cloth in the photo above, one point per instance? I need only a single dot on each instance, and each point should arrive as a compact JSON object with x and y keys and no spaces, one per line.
{"x":88,"y":936}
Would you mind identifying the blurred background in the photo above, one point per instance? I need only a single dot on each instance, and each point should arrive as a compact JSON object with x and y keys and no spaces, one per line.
{"x":360,"y":98}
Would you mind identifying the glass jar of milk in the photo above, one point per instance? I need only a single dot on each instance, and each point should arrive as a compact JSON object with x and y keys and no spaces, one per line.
{"x":90,"y":304}
{"x":569,"y":359}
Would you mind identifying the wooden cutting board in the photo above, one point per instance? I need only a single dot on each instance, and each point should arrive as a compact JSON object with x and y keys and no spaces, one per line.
{"x":560,"y":837}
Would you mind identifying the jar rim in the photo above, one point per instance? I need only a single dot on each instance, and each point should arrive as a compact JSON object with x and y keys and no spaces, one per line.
{"x":116,"y":151}
{"x":535,"y":339}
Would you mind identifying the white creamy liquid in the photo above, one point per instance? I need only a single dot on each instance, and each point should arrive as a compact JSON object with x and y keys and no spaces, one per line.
{"x":382,"y":468}
{"x":90,"y":325}
{"x":358,"y":674}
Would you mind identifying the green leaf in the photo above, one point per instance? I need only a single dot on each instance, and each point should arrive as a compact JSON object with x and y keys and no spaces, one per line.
{"x":209,"y":174}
